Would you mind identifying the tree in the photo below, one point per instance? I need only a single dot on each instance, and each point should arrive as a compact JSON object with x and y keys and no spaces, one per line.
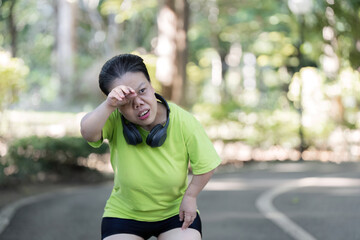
{"x":65,"y":45}
{"x":8,"y":13}
{"x":172,"y":48}
{"x":12,"y":28}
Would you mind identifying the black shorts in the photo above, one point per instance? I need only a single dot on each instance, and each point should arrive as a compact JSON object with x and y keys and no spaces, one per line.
{"x":111,"y":226}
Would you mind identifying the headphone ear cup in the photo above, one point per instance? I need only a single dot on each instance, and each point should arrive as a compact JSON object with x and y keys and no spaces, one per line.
{"x":131,"y":134}
{"x":156,"y":136}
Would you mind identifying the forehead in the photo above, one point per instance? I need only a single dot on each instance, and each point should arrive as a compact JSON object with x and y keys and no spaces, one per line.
{"x":131,"y":79}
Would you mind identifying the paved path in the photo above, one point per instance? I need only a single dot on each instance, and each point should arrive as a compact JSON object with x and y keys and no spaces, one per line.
{"x":262,"y":201}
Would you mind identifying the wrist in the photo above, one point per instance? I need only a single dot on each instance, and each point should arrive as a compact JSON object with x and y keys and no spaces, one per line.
{"x":190,"y":194}
{"x":109,"y":107}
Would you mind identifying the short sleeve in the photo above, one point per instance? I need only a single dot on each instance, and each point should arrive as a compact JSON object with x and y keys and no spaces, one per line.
{"x":96,"y":144}
{"x":202,"y":154}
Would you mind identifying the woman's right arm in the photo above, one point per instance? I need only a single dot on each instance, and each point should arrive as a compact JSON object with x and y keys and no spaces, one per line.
{"x":93,"y":122}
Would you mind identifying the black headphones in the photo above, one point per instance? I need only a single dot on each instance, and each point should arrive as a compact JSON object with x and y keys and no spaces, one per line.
{"x":157,"y":135}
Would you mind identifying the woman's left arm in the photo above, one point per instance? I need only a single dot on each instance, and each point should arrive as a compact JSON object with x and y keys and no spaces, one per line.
{"x":188,"y":205}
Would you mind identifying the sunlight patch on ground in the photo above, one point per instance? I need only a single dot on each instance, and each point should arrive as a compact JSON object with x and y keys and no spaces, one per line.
{"x":220,"y":185}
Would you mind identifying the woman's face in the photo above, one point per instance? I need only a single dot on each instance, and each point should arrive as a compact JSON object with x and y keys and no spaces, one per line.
{"x":141,"y":109}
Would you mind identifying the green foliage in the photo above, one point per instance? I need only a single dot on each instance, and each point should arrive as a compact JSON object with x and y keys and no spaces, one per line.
{"x":3,"y":166}
{"x":135,"y":18}
{"x":35,"y":43}
{"x":13,"y":72}
{"x":275,"y":49}
{"x":263,"y":128}
{"x":279,"y":43}
{"x":34,"y":155}
{"x":125,"y":11}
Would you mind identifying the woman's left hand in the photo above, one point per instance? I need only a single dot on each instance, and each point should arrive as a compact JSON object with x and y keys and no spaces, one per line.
{"x":187,"y":211}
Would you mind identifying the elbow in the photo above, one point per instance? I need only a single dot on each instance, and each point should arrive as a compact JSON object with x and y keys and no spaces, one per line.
{"x":84,"y":133}
{"x":90,"y":137}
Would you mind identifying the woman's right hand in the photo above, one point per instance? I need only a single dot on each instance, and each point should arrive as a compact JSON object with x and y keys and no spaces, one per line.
{"x":120,"y":95}
{"x":93,"y":122}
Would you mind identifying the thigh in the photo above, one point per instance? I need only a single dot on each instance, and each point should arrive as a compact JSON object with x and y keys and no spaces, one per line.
{"x":179,"y":234}
{"x":171,"y":229}
{"x":123,"y":237}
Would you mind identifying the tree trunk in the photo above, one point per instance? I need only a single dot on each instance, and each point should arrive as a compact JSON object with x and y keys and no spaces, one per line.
{"x":65,"y":46}
{"x":172,"y":49}
{"x":12,"y":29}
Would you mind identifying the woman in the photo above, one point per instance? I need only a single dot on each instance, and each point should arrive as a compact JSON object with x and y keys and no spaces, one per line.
{"x":151,"y":143}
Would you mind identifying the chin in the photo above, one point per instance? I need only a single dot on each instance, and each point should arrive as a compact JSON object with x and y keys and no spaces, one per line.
{"x":148,"y":123}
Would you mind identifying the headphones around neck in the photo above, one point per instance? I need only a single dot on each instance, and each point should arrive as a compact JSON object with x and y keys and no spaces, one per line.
{"x":157,"y":135}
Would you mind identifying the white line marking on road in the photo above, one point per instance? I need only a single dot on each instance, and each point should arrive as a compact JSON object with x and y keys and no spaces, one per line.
{"x":265,"y":206}
{"x":8,"y":212}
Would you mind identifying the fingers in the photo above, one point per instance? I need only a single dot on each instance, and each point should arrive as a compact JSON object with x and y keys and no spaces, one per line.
{"x":187,"y":211}
{"x":123,"y":91}
{"x":181,"y":215}
{"x":120,"y":95}
{"x":188,"y":220}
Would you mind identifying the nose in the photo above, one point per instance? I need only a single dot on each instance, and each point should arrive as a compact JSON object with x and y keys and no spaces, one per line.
{"x":137,"y":102}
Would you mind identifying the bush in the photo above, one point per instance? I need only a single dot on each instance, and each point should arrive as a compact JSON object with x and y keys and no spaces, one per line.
{"x":45,"y":156}
{"x":3,"y":166}
{"x":13,"y":72}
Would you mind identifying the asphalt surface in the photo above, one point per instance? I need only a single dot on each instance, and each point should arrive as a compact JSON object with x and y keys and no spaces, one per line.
{"x":323,"y":202}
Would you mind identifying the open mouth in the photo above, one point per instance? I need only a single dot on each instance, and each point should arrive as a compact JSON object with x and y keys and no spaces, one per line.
{"x":144,"y":115}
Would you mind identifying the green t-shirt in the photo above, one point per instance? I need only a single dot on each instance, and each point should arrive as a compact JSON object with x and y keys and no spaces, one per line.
{"x":149,"y":183}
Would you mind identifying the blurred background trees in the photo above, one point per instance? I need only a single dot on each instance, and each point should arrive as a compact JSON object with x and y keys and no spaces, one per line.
{"x":281,"y":75}
{"x":13,"y":72}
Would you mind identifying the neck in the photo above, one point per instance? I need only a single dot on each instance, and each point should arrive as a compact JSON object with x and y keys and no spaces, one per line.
{"x":161,"y":116}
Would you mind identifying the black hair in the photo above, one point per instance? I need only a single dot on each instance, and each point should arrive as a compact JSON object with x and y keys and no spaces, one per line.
{"x":118,"y":66}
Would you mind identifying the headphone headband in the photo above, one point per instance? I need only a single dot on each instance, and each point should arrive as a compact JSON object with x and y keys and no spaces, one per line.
{"x":163,"y":101}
